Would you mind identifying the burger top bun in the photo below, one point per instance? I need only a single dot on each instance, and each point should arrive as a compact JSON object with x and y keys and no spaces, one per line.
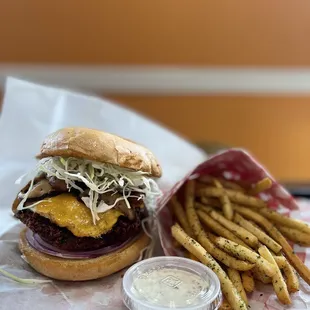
{"x":102,"y":147}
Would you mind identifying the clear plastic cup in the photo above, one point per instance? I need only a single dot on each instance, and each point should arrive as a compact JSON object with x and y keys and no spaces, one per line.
{"x":170,"y":282}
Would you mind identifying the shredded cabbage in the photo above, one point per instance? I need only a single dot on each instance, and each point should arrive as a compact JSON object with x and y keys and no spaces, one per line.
{"x":21,"y":280}
{"x":100,"y":178}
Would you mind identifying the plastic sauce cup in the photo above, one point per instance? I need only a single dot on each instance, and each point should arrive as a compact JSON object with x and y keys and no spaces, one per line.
{"x":171,"y":282}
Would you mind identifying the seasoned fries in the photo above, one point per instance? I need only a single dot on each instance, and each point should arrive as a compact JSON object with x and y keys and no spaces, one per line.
{"x":200,"y":206}
{"x":228,"y":289}
{"x":180,"y":215}
{"x":209,"y":201}
{"x":227,"y":208}
{"x":248,"y":281}
{"x":278,"y":282}
{"x":284,"y":220}
{"x":303,"y":271}
{"x":227,"y":184}
{"x":233,"y":195}
{"x":260,"y":186}
{"x":190,"y":209}
{"x":225,"y":225}
{"x":295,"y":235}
{"x":292,"y":281}
{"x":222,"y":256}
{"x":235,"y":278}
{"x":218,"y":228}
{"x":192,"y":257}
{"x":205,"y":242}
{"x":240,"y":232}
{"x":225,"y":305}
{"x":261,"y":236}
{"x":281,"y":261}
{"x":260,"y":276}
{"x":244,"y":253}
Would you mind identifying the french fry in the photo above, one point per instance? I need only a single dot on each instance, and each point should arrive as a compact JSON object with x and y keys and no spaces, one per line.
{"x":209,"y":201}
{"x":292,"y":281}
{"x":300,"y":267}
{"x":227,"y":208}
{"x":248,"y":223}
{"x":285,"y":221}
{"x":209,"y":246}
{"x":200,"y":206}
{"x":192,"y":257}
{"x":261,"y":236}
{"x":222,"y":256}
{"x":203,"y":239}
{"x":234,"y":196}
{"x":240,"y":232}
{"x":260,"y":276}
{"x":281,"y":261}
{"x":278,"y":282}
{"x":248,"y":281}
{"x":228,"y":289}
{"x":211,"y":236}
{"x":225,"y":305}
{"x":260,"y":186}
{"x":190,"y":209}
{"x":218,"y":228}
{"x":242,"y":252}
{"x":207,"y":179}
{"x":235,"y":278}
{"x":180,"y":215}
{"x":295,"y":235}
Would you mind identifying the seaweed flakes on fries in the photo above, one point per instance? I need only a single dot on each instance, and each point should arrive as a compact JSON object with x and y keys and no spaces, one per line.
{"x":278,"y":282}
{"x":217,"y":241}
{"x":296,"y":262}
{"x":227,"y":208}
{"x":233,"y":195}
{"x":228,"y":289}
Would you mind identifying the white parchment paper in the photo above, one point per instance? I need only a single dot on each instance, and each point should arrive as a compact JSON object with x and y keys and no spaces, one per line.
{"x":30,"y":112}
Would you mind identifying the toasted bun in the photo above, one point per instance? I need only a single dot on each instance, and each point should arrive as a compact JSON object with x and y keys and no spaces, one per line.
{"x":102,"y":147}
{"x":85,"y":269}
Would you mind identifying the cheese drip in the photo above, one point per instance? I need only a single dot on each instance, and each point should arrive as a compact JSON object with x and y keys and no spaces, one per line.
{"x":65,"y":210}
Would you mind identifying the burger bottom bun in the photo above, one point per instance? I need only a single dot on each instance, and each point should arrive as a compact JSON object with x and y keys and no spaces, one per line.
{"x":82,"y":269}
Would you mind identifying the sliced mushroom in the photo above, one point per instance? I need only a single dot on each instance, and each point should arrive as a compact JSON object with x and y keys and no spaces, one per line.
{"x":58,"y":185}
{"x":121,"y":205}
{"x":41,"y":188}
{"x":20,"y":195}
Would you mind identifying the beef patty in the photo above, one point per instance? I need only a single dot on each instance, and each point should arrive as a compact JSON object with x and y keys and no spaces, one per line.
{"x":63,"y":239}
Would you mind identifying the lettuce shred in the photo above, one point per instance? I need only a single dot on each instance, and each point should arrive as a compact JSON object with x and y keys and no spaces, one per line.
{"x":100,"y":178}
{"x":21,"y":280}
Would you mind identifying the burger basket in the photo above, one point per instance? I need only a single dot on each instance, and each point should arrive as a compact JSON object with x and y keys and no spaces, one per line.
{"x":238,"y":165}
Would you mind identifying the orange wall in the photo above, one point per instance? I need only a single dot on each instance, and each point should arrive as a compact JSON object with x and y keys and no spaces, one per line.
{"x":201,"y":32}
{"x":173,"y":32}
{"x":276,"y":130}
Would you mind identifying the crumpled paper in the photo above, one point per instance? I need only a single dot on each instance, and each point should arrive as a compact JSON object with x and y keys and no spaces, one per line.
{"x":30,"y":112}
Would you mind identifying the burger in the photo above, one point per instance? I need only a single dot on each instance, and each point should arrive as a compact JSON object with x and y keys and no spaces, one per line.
{"x":85,"y":204}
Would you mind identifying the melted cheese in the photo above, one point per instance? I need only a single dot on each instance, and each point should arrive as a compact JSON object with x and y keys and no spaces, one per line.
{"x":66,"y":211}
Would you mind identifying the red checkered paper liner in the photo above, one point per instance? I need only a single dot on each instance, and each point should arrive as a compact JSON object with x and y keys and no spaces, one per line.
{"x":238,"y":165}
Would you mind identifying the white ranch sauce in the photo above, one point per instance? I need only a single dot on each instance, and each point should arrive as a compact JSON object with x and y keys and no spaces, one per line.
{"x":170,"y":287}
